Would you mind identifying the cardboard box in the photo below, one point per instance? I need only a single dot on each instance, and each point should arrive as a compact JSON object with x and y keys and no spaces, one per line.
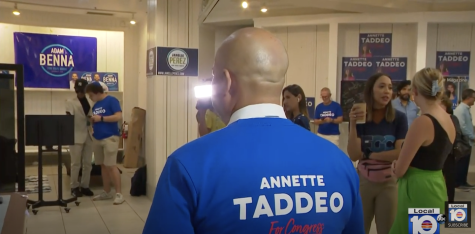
{"x":133,"y":143}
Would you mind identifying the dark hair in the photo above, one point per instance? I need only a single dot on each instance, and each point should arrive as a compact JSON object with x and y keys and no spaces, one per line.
{"x":296,"y":90}
{"x":449,"y":83}
{"x":445,"y":100}
{"x":467,"y":93}
{"x":95,"y":88}
{"x":403,"y":84}
{"x":369,"y":99}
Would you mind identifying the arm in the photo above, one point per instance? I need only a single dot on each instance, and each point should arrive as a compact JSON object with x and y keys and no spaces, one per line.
{"x":338,"y":115}
{"x":69,"y":108}
{"x":400,"y":134}
{"x":117,"y":116}
{"x":203,"y":122}
{"x":173,"y":203}
{"x":354,"y":143}
{"x":465,"y":125}
{"x":414,"y":140}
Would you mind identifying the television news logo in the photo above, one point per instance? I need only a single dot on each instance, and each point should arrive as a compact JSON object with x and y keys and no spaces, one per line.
{"x":458,"y":214}
{"x":425,"y":220}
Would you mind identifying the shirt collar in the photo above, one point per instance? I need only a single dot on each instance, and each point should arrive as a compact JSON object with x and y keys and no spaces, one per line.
{"x":258,"y":111}
{"x":464,"y":105}
{"x":409,"y":102}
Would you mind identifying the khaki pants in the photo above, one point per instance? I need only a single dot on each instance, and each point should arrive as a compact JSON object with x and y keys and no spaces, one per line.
{"x":335,"y":139}
{"x":379,"y":202}
{"x":105,"y":150}
{"x":81,"y":154}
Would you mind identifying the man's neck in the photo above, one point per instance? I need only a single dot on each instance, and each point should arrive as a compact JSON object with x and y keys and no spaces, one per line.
{"x":466,"y":103}
{"x":404,"y":102}
{"x":327,"y":103}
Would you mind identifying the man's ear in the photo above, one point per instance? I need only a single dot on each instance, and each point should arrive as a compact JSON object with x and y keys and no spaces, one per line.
{"x":229,"y":86}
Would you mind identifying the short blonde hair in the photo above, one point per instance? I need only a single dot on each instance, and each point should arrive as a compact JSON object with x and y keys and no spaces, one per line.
{"x":423,"y":81}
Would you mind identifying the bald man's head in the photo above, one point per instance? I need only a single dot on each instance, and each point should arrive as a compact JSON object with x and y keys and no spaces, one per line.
{"x":250,"y":67}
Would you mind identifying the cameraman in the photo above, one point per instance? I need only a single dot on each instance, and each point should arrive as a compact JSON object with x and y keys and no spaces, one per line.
{"x":208,"y":120}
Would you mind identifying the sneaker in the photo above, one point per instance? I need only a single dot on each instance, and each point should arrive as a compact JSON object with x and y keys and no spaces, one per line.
{"x":102,"y":196}
{"x":87,"y":192}
{"x":75,"y":192}
{"x":119,"y":199}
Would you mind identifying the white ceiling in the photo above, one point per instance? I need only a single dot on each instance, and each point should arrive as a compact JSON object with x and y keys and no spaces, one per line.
{"x":118,"y":8}
{"x":230,"y":11}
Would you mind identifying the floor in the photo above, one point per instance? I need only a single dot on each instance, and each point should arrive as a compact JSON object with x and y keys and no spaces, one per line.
{"x":98,"y":217}
{"x":102,"y":217}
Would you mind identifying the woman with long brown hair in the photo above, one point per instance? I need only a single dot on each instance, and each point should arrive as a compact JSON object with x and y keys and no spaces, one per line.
{"x":375,"y":144}
{"x":295,"y":105}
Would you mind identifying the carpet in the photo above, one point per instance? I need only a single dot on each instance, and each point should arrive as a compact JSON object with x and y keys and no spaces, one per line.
{"x":31,"y":184}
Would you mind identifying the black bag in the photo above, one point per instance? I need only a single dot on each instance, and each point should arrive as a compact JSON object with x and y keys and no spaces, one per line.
{"x":138,"y":185}
{"x":461,"y":146}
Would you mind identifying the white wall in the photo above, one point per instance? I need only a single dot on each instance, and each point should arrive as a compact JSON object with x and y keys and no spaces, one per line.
{"x":171,"y":116}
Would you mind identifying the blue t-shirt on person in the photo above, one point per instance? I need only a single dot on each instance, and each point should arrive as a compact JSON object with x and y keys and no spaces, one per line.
{"x":382,"y":136}
{"x":258,"y":175}
{"x":332,"y":110}
{"x":106,"y":107}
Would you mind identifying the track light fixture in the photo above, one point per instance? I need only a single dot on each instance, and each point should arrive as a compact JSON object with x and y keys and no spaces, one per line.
{"x":15,"y":10}
{"x":132,"y":21}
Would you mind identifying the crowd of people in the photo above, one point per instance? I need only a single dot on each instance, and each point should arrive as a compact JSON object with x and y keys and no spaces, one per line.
{"x":261,"y":173}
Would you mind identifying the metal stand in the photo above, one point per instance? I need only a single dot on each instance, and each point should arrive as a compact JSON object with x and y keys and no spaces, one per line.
{"x":60,"y":202}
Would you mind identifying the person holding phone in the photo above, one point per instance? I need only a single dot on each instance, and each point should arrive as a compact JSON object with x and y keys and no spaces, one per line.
{"x":208,"y":120}
{"x":328,"y":116}
{"x":376,"y":143}
{"x":428,"y":143}
{"x":295,"y":105}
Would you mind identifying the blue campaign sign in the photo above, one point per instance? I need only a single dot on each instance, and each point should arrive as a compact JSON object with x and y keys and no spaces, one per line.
{"x":111,"y":79}
{"x":355,"y":68}
{"x":177,"y":61}
{"x":425,"y":220}
{"x":375,"y":45}
{"x":394,"y":67}
{"x":48,"y":59}
{"x":311,"y":107}
{"x":453,"y":63}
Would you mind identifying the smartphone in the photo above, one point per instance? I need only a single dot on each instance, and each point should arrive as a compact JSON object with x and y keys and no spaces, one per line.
{"x":361,"y":106}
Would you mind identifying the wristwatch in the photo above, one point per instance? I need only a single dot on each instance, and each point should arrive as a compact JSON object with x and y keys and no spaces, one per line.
{"x":102,"y":118}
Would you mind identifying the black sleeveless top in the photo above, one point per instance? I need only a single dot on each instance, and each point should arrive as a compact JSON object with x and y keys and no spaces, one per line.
{"x":433,"y":156}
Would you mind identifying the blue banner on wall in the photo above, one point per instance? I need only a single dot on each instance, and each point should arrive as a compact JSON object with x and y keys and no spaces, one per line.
{"x":177,"y":61}
{"x":111,"y":79}
{"x":375,"y":44}
{"x":453,"y":63}
{"x":311,"y":107}
{"x":357,"y":68}
{"x":48,"y":59}
{"x":396,"y":68}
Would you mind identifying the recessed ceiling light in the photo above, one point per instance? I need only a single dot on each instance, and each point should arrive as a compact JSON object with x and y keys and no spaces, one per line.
{"x":264,"y":9}
{"x":244,"y":4}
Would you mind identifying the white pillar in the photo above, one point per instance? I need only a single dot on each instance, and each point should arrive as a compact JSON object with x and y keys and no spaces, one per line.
{"x":170,"y":121}
{"x":421,"y":51}
{"x":333,"y":79}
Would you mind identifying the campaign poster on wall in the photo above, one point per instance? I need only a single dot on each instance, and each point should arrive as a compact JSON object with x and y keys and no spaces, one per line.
{"x":453,"y":63}
{"x":394,"y":67}
{"x":151,"y":64}
{"x":455,"y":85}
{"x":375,"y":44}
{"x":311,"y":107}
{"x":48,"y":59}
{"x":111,"y":79}
{"x":354,"y":68}
{"x":177,"y":61}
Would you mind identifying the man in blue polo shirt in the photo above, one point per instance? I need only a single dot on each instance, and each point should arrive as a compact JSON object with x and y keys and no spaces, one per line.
{"x":403,"y":102}
{"x":328,"y":116}
{"x":261,"y":173}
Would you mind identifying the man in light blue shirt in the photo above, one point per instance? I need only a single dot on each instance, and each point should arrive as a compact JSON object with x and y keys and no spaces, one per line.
{"x":462,"y":112}
{"x":403,"y":102}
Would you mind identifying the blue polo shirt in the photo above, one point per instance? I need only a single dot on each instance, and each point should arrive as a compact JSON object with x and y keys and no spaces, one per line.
{"x":410,"y":110}
{"x":332,"y":110}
